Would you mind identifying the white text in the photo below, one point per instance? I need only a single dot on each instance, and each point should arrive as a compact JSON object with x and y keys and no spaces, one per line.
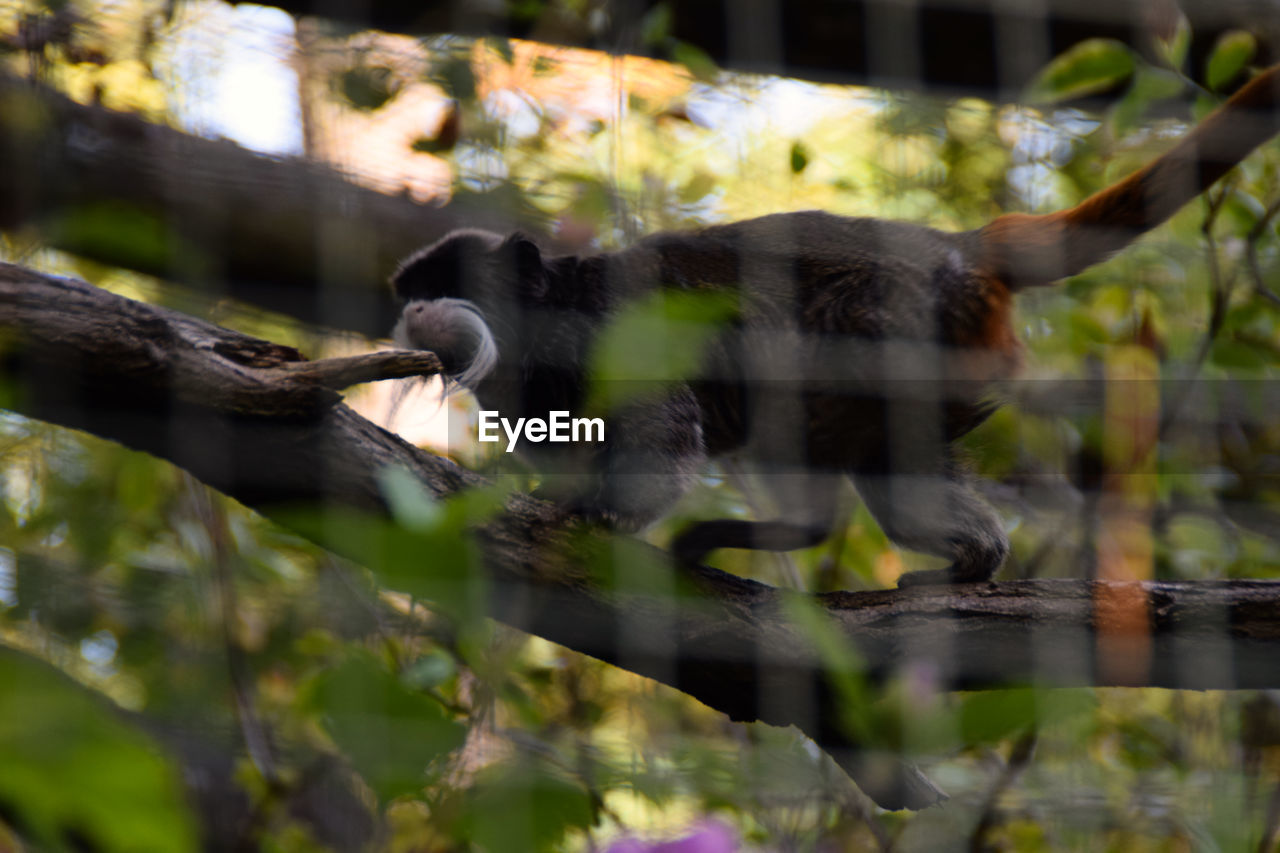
{"x":560,"y":428}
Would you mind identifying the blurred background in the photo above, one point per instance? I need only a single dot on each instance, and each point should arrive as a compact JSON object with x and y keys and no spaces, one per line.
{"x":178,"y":673}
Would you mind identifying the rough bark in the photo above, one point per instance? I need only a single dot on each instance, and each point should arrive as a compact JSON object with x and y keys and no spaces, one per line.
{"x":251,"y":419}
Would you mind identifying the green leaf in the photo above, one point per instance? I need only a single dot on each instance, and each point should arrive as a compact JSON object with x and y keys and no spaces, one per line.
{"x":1204,"y":104}
{"x":658,"y":340}
{"x":1149,"y":85}
{"x":1240,"y":354}
{"x":128,"y":234}
{"x":1175,"y":47}
{"x":799,"y":158}
{"x":845,"y":669}
{"x":655,"y":26}
{"x":434,"y":559}
{"x":628,"y":565}
{"x":522,"y":808}
{"x":698,"y":187}
{"x":389,"y":733}
{"x":992,"y":715}
{"x":410,"y":503}
{"x":697,"y":60}
{"x":74,"y":774}
{"x":526,"y":10}
{"x":1084,"y":328}
{"x":434,"y":668}
{"x":1230,"y":55}
{"x":1242,"y":209}
{"x":1091,"y":66}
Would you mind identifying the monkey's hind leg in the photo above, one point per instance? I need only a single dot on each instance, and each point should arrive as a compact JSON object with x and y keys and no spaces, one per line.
{"x":937,"y":514}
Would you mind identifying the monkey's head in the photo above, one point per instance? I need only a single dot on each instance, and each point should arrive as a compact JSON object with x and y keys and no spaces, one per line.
{"x":462,"y":295}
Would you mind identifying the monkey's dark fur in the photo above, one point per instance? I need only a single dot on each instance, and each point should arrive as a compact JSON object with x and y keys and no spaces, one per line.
{"x":887,"y":336}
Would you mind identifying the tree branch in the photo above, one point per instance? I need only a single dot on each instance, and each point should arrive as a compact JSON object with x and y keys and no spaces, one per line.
{"x":280,"y":232}
{"x":233,"y":410}
{"x":345,"y":371}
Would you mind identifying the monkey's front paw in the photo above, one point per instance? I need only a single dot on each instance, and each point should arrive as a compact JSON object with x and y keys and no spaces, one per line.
{"x":938,"y":577}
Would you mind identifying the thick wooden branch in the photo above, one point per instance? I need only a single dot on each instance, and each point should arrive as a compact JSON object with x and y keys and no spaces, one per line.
{"x":248,"y":418}
{"x":283,"y":233}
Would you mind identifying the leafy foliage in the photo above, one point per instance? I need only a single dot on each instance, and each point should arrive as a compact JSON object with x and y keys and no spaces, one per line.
{"x":76,"y":774}
{"x":343,"y":708}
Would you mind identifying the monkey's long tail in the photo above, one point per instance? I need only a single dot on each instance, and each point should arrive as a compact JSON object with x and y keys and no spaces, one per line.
{"x":1025,"y":250}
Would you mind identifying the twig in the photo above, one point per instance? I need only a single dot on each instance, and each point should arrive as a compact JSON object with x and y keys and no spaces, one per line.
{"x":255,"y":738}
{"x":1019,"y":758}
{"x":1219,"y":296}
{"x":1266,"y":844}
{"x":1251,"y":254}
{"x":345,"y":371}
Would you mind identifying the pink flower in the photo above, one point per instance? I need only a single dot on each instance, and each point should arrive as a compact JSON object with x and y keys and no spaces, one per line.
{"x":709,"y":836}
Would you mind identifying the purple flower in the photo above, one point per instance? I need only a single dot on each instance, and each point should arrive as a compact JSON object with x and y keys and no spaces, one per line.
{"x":709,"y":836}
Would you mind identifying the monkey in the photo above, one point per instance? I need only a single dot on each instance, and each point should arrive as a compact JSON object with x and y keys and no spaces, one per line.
{"x":847,"y":312}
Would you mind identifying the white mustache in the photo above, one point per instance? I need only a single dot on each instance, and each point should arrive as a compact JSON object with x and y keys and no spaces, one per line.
{"x":470,"y":319}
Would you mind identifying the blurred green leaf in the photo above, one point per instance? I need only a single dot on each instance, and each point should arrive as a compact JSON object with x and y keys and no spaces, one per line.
{"x":992,"y":715}
{"x":524,"y":808}
{"x":844,"y":669}
{"x":1204,"y":104}
{"x":390,"y":733}
{"x":526,"y":10}
{"x":1085,"y":328}
{"x":1149,"y":85}
{"x":1231,"y":53}
{"x":1241,"y":210}
{"x":661,"y":339}
{"x":128,"y":234}
{"x":431,"y":669}
{"x":53,"y":591}
{"x":1240,"y":354}
{"x":655,"y":26}
{"x":410,"y":502}
{"x":628,"y":565}
{"x":697,"y":60}
{"x":430,"y":558}
{"x":697,"y":188}
{"x":1175,"y":47}
{"x":799,"y":158}
{"x":1255,"y":318}
{"x":74,"y":775}
{"x":1091,"y":66}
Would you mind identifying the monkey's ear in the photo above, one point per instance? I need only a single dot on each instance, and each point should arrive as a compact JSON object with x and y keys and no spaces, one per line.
{"x":527,"y":255}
